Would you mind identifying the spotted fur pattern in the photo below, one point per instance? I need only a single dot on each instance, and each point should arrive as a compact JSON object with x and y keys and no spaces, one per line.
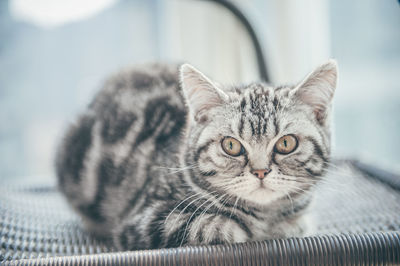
{"x":144,"y":164}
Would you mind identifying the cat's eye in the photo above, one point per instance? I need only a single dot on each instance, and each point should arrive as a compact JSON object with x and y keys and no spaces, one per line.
{"x":286,"y":144}
{"x":232,"y":146}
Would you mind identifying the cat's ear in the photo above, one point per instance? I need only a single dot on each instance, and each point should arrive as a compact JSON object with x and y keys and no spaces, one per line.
{"x":318,"y":88}
{"x":200,"y":92}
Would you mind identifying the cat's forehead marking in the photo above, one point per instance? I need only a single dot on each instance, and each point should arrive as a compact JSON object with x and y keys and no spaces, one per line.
{"x":259,"y":105}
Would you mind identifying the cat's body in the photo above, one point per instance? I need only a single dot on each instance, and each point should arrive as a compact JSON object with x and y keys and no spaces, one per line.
{"x":153,"y":163}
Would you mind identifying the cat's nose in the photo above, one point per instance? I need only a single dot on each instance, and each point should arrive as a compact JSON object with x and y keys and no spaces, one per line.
{"x":261,"y":173}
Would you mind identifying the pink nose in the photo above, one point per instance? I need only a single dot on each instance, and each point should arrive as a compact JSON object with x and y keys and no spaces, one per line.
{"x":261,"y":173}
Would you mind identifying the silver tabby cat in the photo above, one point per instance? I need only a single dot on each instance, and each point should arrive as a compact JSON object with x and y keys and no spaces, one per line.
{"x":165,"y":157}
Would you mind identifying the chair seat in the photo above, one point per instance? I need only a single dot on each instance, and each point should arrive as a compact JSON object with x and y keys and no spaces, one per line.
{"x":353,"y":211}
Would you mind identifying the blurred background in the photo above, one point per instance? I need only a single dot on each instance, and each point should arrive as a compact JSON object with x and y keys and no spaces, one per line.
{"x":55,"y":54}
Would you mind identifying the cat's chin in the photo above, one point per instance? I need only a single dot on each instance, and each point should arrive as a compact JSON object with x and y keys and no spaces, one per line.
{"x":262,"y":196}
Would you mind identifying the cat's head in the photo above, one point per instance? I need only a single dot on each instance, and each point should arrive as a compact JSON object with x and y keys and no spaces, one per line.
{"x":258,"y":143}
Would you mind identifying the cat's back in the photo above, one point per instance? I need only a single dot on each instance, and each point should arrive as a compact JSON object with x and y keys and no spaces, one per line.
{"x":131,"y":128}
{"x":132,"y":88}
{"x":147,"y":97}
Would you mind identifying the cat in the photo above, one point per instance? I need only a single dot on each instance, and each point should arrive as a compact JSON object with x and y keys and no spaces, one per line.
{"x":165,"y":157}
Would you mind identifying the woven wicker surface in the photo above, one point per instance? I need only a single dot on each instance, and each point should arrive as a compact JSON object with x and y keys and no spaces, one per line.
{"x":36,"y":222}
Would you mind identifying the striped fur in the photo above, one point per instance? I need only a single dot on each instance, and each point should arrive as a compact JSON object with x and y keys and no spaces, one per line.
{"x":144,"y":164}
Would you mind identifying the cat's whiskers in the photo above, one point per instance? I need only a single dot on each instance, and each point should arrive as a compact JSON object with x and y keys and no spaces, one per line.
{"x":342,"y":170}
{"x":233,"y":209}
{"x":311,"y":186}
{"x":296,"y":189}
{"x":224,"y":203}
{"x":218,"y":200}
{"x":175,"y":170}
{"x":177,"y":206}
{"x":209,"y":206}
{"x":290,"y":199}
{"x":331,"y":184}
{"x":228,"y":183}
{"x":190,"y":218}
{"x":193,"y":201}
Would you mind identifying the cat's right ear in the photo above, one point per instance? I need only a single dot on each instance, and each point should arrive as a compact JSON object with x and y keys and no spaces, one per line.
{"x":200,"y":92}
{"x":318,"y":88}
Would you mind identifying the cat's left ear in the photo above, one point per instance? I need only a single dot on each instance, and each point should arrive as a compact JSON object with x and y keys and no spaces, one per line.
{"x":200,"y":92}
{"x":318,"y":88}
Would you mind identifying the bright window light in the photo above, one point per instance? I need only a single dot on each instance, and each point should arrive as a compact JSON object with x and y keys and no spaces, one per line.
{"x":52,"y":13}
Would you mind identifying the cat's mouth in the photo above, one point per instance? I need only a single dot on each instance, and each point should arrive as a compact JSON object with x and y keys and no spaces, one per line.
{"x":263,"y":187}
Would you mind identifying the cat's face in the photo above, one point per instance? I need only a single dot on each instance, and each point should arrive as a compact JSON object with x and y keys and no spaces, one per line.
{"x":258,"y":143}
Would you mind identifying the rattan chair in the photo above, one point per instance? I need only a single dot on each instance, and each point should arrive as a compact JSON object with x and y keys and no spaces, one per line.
{"x":357,"y":215}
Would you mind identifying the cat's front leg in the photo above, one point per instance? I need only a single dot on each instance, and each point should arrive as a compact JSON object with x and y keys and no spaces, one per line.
{"x":152,"y":229}
{"x":205,"y":229}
